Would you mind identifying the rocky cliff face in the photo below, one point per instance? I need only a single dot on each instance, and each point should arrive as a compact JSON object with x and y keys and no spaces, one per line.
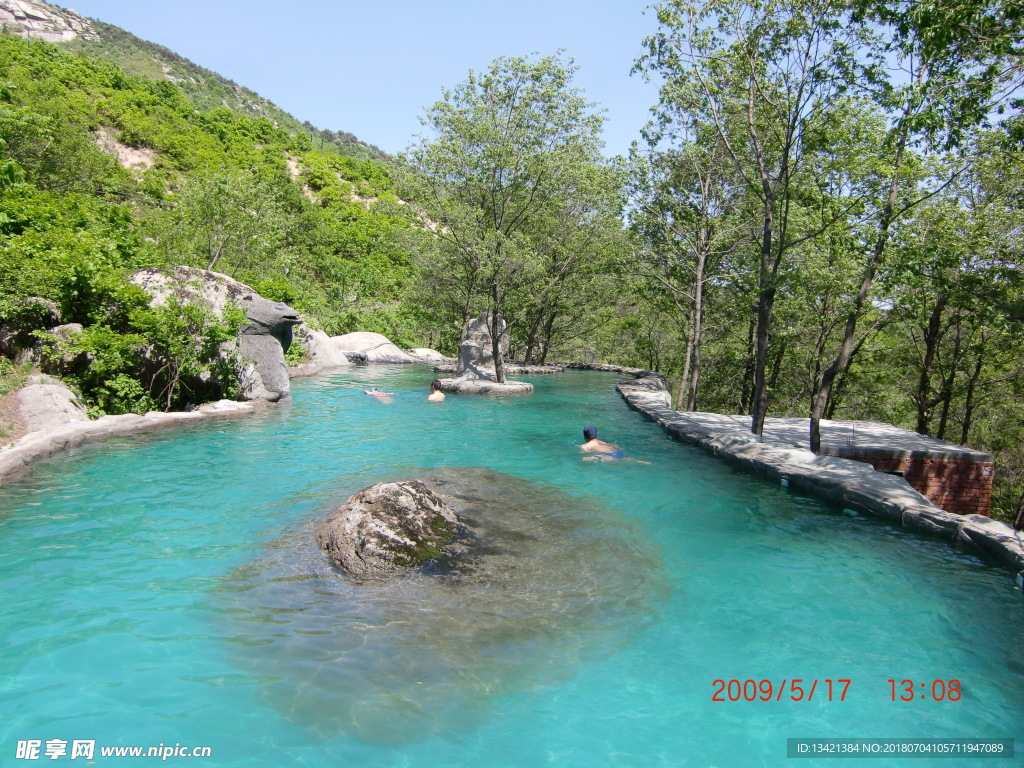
{"x":38,"y":20}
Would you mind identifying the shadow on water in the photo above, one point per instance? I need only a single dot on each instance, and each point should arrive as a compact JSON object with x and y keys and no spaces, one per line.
{"x":549,"y":582}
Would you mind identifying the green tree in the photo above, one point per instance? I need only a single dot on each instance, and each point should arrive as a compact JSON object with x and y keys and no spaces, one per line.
{"x":234,"y":220}
{"x":512,"y":159}
{"x":951,"y":60}
{"x":684,"y":214}
{"x":760,"y":73}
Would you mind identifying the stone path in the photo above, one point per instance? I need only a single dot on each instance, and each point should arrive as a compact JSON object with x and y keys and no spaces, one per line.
{"x":845,"y":482}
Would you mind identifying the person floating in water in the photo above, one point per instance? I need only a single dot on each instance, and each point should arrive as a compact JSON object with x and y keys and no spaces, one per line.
{"x":384,"y":397}
{"x":599,"y":449}
{"x":436,"y":395}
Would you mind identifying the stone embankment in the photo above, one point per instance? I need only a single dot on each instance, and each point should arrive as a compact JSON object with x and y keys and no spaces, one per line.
{"x":851,"y":484}
{"x":17,"y":457}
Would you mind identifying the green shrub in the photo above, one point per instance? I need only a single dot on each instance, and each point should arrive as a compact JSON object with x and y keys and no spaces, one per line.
{"x":12,"y":376}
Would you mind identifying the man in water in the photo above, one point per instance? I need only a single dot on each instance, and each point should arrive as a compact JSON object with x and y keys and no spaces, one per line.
{"x":436,"y":395}
{"x":599,"y":448}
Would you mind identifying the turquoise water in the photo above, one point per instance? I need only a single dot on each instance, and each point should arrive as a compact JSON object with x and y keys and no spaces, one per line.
{"x":159,"y":589}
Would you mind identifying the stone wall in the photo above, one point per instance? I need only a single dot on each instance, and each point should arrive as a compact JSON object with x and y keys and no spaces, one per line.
{"x":19,"y":456}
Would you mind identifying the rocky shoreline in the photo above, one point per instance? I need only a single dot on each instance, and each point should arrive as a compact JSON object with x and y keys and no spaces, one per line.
{"x":852,"y":484}
{"x":18,"y":457}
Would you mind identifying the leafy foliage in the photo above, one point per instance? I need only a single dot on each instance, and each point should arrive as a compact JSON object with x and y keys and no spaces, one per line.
{"x":512,"y":176}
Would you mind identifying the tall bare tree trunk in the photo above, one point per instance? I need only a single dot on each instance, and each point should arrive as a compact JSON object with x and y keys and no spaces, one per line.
{"x":698,"y":325}
{"x":748,"y":371}
{"x":821,"y":397}
{"x":765,"y":302}
{"x":494,"y":326}
{"x":548,"y":331}
{"x":965,"y":430}
{"x":684,"y":380}
{"x":932,"y":334}
{"x":947,"y":384}
{"x":531,"y":339}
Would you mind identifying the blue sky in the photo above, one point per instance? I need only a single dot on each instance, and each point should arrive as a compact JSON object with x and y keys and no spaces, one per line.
{"x":371,"y":67}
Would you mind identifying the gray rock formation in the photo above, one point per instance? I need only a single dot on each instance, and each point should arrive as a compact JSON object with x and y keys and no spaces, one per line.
{"x":262,"y":340}
{"x":476,"y":352}
{"x":322,"y":352}
{"x":471,"y":386}
{"x":365,"y":347}
{"x":385,"y":527}
{"x":425,"y":353}
{"x":475,"y":372}
{"x":41,"y":21}
{"x":48,"y":404}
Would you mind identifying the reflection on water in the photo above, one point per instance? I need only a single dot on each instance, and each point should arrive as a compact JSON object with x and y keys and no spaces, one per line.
{"x":549,"y":581}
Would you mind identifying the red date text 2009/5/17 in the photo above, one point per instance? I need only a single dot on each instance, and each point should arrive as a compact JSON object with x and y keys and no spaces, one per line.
{"x":777,"y":690}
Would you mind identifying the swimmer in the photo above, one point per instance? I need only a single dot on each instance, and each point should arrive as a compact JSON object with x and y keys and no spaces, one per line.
{"x":384,"y":397}
{"x":593,"y":445}
{"x":436,"y":395}
{"x":600,"y":450}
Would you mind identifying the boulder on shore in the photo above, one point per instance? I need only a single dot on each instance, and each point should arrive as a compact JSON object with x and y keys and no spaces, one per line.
{"x":366,"y":347}
{"x":46,"y":403}
{"x":425,"y":353}
{"x":263,"y":338}
{"x":386,"y":527}
{"x":322,"y":352}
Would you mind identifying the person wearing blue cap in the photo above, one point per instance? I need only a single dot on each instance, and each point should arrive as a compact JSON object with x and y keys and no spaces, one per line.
{"x":599,"y":448}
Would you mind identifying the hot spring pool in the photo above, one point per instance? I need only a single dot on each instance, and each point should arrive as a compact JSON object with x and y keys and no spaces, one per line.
{"x":163,"y":590}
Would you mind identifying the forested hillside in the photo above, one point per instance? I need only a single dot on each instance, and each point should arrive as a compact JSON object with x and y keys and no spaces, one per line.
{"x":205,"y":89}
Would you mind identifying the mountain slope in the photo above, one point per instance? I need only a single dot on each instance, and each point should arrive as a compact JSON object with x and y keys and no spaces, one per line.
{"x":205,"y":89}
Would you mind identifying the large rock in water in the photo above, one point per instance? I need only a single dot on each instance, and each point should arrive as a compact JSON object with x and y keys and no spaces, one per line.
{"x":475,"y":372}
{"x":387,"y":526}
{"x":540,"y":583}
{"x":262,"y":340}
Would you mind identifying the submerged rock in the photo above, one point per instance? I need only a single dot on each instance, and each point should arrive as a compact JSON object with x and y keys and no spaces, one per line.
{"x":387,"y":526}
{"x":541,"y":583}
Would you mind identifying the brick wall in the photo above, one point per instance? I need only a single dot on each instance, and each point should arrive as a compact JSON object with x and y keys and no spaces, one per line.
{"x":963,"y":487}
